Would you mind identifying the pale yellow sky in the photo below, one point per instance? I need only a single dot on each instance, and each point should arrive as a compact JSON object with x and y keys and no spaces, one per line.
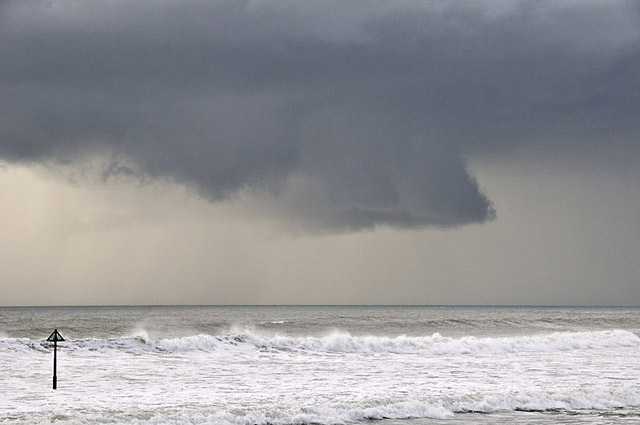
{"x":560,"y":237}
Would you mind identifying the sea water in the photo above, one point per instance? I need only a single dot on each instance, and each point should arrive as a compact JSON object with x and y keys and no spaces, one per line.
{"x":320,"y":365}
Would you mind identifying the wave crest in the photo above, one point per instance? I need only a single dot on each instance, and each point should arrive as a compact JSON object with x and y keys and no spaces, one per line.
{"x":434,"y":345}
{"x":575,"y":401}
{"x":343,"y":342}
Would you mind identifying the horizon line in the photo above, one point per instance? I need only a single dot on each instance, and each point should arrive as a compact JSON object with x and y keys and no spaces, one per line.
{"x":326,"y":305}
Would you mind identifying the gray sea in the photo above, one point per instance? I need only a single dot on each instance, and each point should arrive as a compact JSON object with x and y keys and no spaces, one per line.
{"x":320,"y":365}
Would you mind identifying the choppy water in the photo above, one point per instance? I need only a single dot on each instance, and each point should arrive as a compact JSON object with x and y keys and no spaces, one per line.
{"x":321,"y":365}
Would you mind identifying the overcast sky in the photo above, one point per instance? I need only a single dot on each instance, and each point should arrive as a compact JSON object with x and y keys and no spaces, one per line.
{"x":273,"y":151}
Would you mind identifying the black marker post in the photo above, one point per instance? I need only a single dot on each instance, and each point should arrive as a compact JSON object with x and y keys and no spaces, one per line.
{"x":55,"y":337}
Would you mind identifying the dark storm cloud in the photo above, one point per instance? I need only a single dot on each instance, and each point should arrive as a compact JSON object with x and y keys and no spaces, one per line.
{"x":347,"y":114}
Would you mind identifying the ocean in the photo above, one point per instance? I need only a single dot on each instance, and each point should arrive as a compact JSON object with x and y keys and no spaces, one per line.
{"x":244,"y":365}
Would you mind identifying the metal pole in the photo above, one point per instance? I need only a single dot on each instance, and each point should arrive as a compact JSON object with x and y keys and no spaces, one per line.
{"x":55,"y":352}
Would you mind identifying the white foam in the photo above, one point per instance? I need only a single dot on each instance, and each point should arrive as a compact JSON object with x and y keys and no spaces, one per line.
{"x":251,"y":378}
{"x":435,"y":408}
{"x":23,"y":345}
{"x":435,"y":345}
{"x":575,"y":399}
{"x":342,"y":342}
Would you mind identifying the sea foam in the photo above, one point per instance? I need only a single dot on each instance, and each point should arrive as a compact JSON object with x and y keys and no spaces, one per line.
{"x":343,"y":342}
{"x":435,"y":345}
{"x":425,"y":408}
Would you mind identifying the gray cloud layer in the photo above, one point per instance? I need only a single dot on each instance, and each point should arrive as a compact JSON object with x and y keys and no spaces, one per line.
{"x":347,"y":114}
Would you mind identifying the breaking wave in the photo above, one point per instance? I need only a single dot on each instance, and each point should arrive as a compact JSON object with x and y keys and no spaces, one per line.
{"x":575,"y":401}
{"x":434,"y":345}
{"x":438,"y":408}
{"x":342,"y":342}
